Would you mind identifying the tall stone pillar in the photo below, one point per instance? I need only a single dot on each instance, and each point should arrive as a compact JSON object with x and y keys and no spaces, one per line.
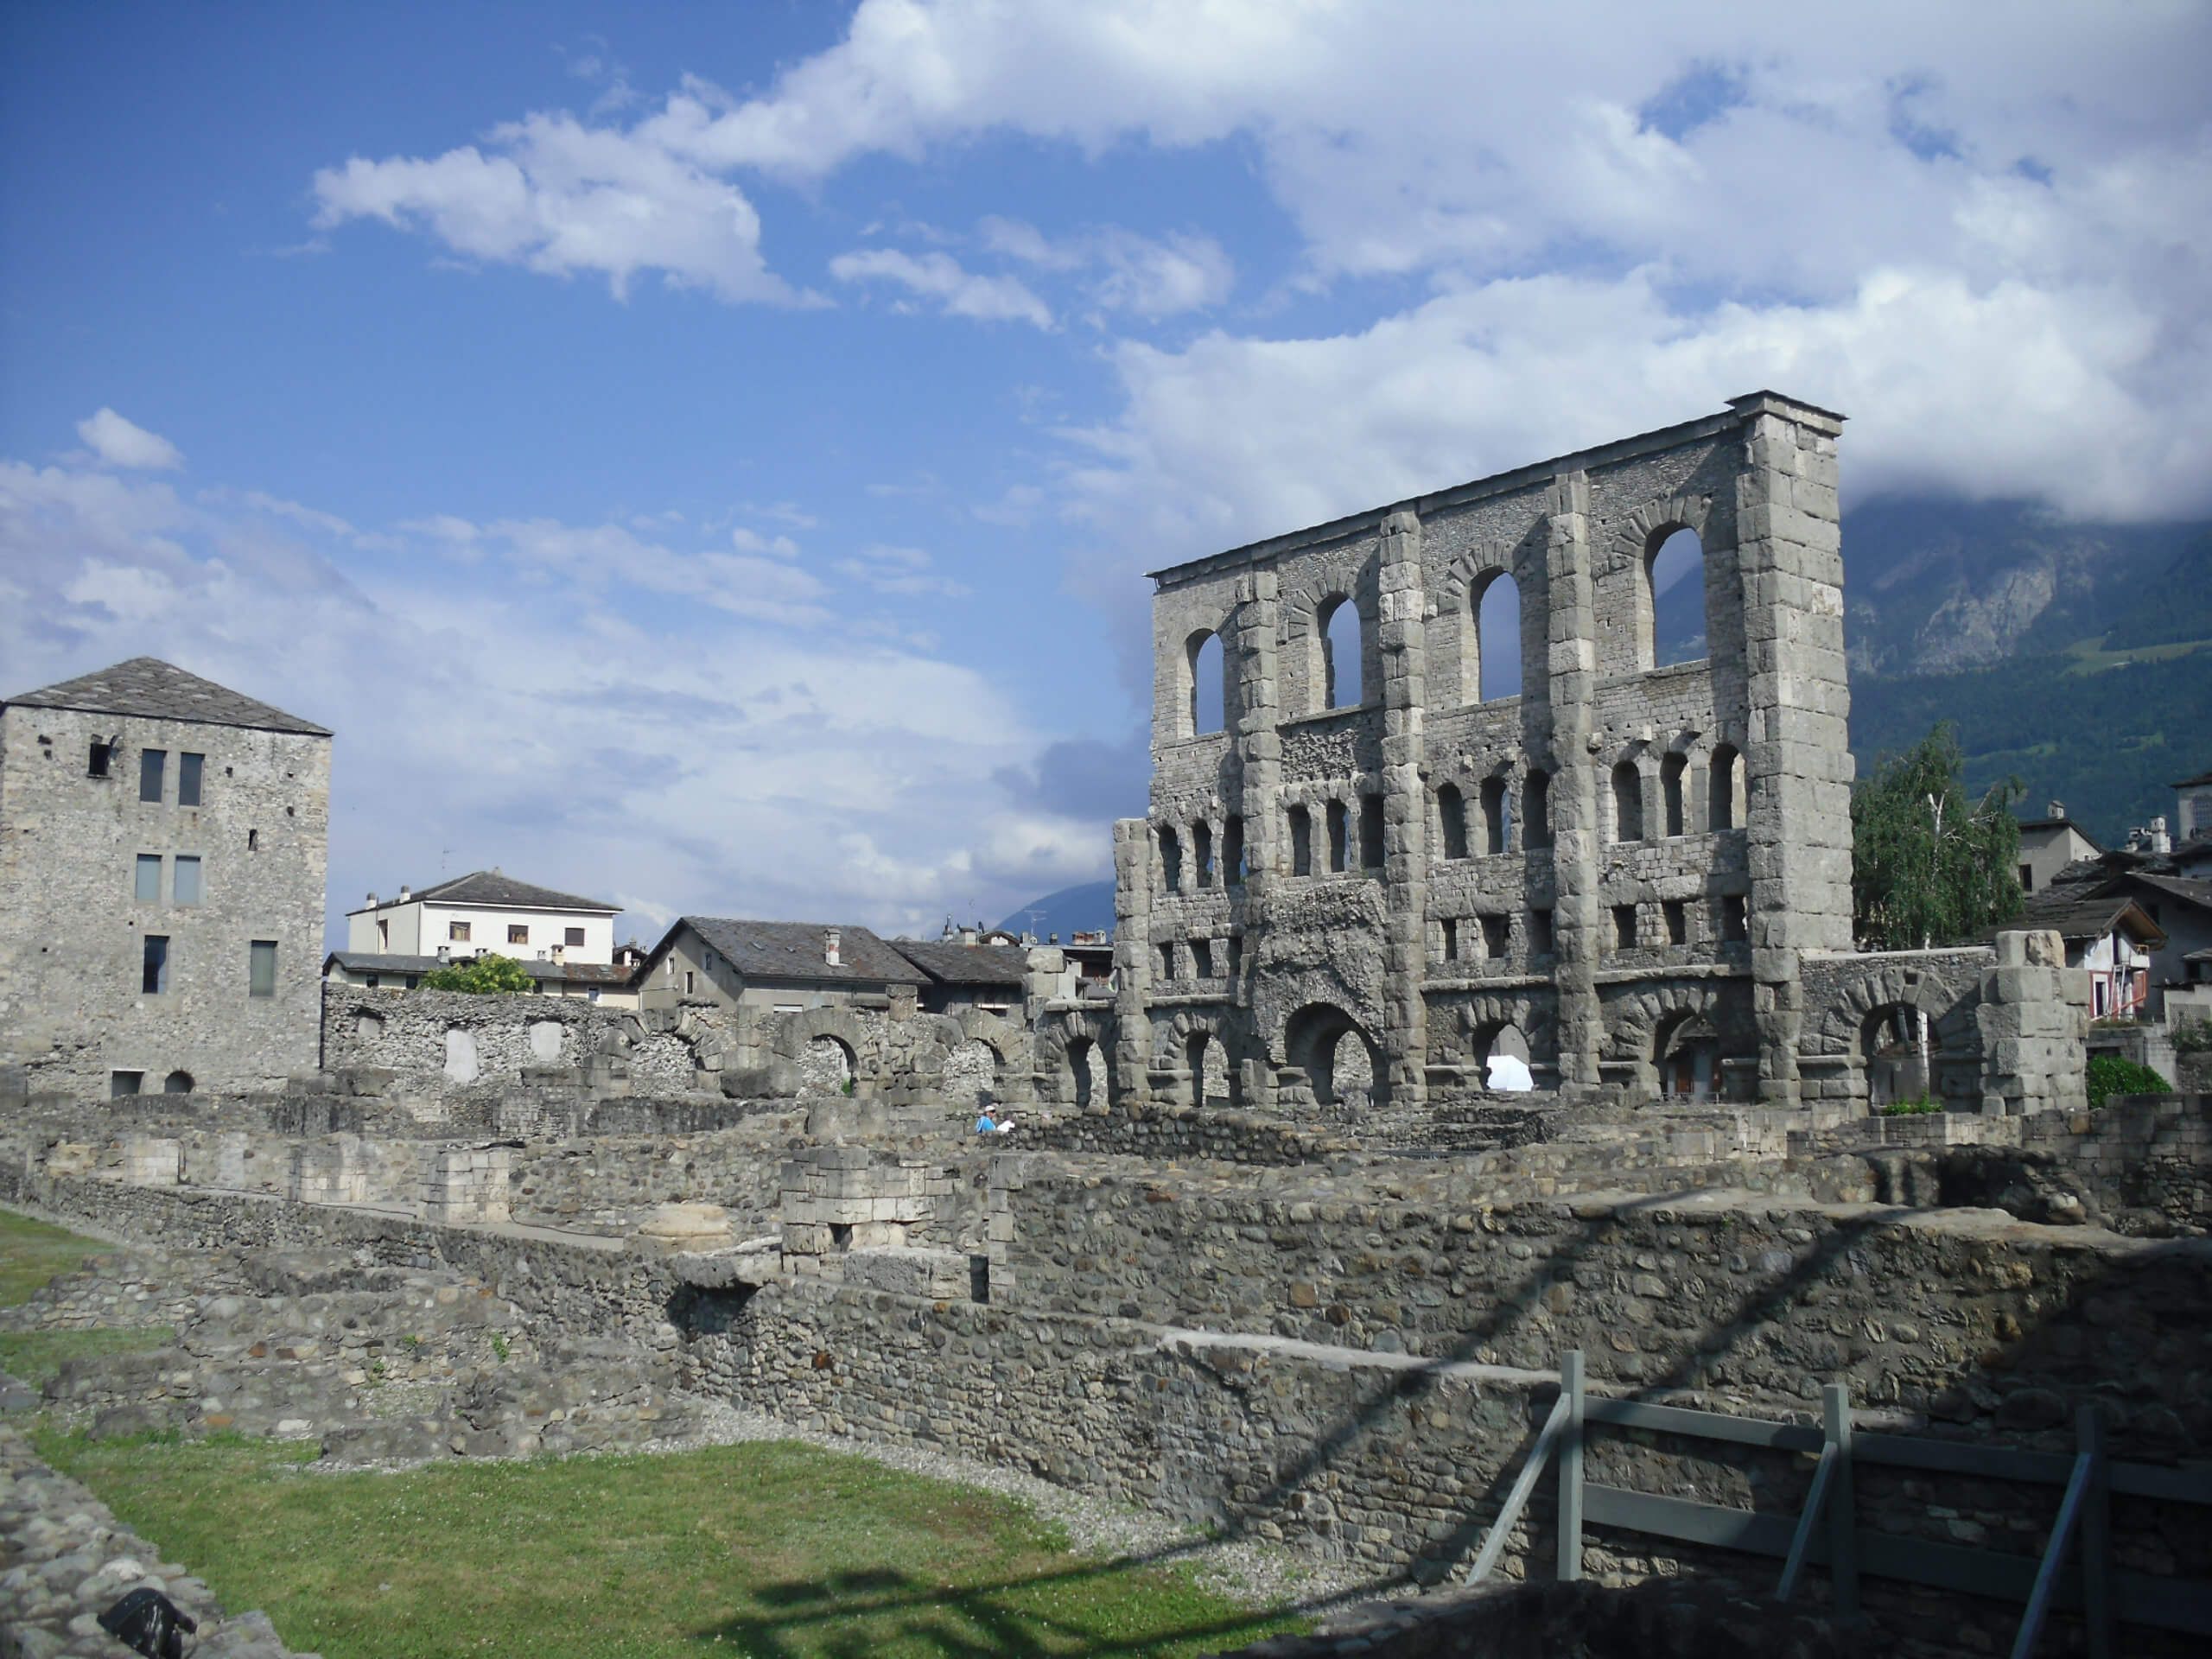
{"x":1572,"y":667}
{"x":1797,"y":761}
{"x":1400,"y":637}
{"x":1257,"y":664}
{"x":1132,"y":959}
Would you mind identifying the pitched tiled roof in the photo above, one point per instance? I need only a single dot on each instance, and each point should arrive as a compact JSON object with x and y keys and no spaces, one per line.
{"x":793,"y":951}
{"x":573,"y":973}
{"x":952,"y":963}
{"x":2075,"y":917}
{"x":2189,"y":889}
{"x":154,"y":689}
{"x":490,"y":887}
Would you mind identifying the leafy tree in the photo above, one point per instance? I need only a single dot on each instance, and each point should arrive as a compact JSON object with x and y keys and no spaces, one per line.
{"x":2110,"y":1075}
{"x":487,"y":974}
{"x":1930,"y":866}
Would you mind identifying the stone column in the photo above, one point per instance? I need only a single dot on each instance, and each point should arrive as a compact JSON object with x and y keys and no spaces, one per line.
{"x":1798,"y":759}
{"x":1572,"y":668}
{"x":1258,"y":747}
{"x":2035,"y":1023}
{"x":1400,"y":637}
{"x":1132,"y":958}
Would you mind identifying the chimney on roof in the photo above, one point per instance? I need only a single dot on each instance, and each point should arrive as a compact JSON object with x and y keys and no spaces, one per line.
{"x":403,"y":891}
{"x":2056,"y":809}
{"x":829,"y":942}
{"x":967,"y":935}
{"x":373,"y":901}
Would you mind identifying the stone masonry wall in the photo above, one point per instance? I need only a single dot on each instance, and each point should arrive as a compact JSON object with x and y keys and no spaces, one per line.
{"x":73,"y":930}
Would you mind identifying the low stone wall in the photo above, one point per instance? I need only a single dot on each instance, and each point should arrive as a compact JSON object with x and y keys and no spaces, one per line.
{"x":1957,"y":1312}
{"x":577,"y":1286}
{"x":2141,"y":1164}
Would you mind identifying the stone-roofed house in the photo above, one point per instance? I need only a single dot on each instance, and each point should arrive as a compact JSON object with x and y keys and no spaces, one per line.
{"x":163,"y":846}
{"x":775,"y":967}
{"x":987,"y":976}
{"x":486,"y":910}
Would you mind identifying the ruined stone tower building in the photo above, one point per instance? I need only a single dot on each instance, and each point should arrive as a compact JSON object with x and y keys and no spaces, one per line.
{"x":1616,"y":873}
{"x":163,"y":843}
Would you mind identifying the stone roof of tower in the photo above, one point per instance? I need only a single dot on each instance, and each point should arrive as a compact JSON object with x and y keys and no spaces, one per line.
{"x":153,"y":690}
{"x":952,"y":963}
{"x":491,"y":889}
{"x":793,"y":951}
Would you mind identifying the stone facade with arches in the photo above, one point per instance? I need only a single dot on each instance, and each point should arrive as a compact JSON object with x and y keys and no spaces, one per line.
{"x":1627,"y":866}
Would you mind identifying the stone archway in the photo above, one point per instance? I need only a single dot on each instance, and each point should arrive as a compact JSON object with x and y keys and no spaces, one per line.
{"x":1313,"y":1045}
{"x":1073,"y":1052}
{"x":830,"y":1049}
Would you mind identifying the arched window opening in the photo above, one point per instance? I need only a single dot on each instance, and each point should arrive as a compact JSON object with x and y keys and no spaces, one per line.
{"x":1339,"y":851}
{"x":1342,"y":664}
{"x":1452,"y":810}
{"x":1171,"y":860}
{"x":1687,"y":1051}
{"x":1497,"y":816}
{"x":1370,"y":832}
{"x":1232,"y":852}
{"x":1673,"y":599}
{"x":1209,"y":710}
{"x":1628,"y":802}
{"x":1202,"y":851}
{"x":1536,"y":808}
{"x":1670,"y":789}
{"x":1498,"y":639}
{"x":1725,"y":785}
{"x":1087,"y":1071}
{"x":1301,"y":842}
{"x":826,"y":1066}
{"x":177,"y":1083}
{"x":1208,"y":1066}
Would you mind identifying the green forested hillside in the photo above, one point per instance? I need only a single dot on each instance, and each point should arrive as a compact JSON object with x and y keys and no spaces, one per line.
{"x":2106,"y":732}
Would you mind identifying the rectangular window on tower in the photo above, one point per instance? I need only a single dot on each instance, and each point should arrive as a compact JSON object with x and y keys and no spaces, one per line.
{"x":154,"y":965}
{"x":188,"y":768}
{"x":1540,"y":934}
{"x":152,"y":763}
{"x":148,"y":891}
{"x":1301,"y":842}
{"x":96,"y":766}
{"x":184,"y":883}
{"x":1451,"y":939}
{"x":261,"y":968}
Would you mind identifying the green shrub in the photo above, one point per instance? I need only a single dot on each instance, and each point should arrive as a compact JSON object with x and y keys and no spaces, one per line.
{"x":2192,"y":1036}
{"x":2110,"y":1075}
{"x":488,"y":975}
{"x":1912,"y":1108}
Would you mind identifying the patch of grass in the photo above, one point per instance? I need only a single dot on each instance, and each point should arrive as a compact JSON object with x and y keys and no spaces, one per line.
{"x":33,"y":1252}
{"x":1916,"y":1107}
{"x":35,"y":1357}
{"x":775,"y":1550}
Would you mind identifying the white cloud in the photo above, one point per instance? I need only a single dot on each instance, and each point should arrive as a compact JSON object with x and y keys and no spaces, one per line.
{"x":123,"y":443}
{"x":558,"y":197}
{"x":1184,"y":272}
{"x":902,"y":571}
{"x":697,"y":760}
{"x":939,"y":277}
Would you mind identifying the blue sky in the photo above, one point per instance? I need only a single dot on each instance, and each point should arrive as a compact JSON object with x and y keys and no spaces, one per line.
{"x":707,"y":457}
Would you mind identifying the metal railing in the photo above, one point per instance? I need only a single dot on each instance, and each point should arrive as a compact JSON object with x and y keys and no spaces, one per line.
{"x":2073,"y":1573}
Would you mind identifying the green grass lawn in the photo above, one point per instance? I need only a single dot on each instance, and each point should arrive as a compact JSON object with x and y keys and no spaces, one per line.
{"x":765,"y":1549}
{"x":32,"y":1252}
{"x":775,"y":1550}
